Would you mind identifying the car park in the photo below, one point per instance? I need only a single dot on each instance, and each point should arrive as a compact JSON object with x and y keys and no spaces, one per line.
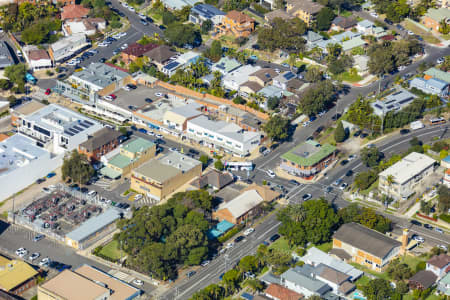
{"x":306,"y":197}
{"x":270,"y":173}
{"x":274,"y":237}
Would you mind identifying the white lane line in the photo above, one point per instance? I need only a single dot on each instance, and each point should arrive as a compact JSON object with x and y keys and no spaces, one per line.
{"x":276,"y":224}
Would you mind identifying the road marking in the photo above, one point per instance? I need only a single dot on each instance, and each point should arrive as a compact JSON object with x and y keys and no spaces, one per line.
{"x":259,"y":237}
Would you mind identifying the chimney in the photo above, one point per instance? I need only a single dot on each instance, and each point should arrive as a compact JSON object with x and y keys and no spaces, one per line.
{"x":404,"y":241}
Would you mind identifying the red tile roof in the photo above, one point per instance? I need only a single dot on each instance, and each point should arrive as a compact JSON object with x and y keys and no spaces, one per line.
{"x":439,"y":261}
{"x":138,"y":49}
{"x":388,"y":37}
{"x":282,"y":293}
{"x":239,"y":17}
{"x":73,"y":11}
{"x":38,"y":54}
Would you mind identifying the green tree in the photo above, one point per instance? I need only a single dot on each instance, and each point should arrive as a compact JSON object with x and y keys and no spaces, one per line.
{"x":239,"y":100}
{"x":248,"y":264}
{"x":402,"y":287}
{"x":273,"y":102}
{"x":12,"y":100}
{"x":206,"y":26}
{"x":340,"y":134}
{"x":277,"y":128}
{"x":76,"y":167}
{"x":317,"y":98}
{"x":196,"y":256}
{"x":283,"y":34}
{"x":5,"y":84}
{"x":218,"y":165}
{"x":215,"y":52}
{"x":168,"y":18}
{"x":378,"y":289}
{"x":204,"y":159}
{"x":211,"y":292}
{"x":255,"y":285}
{"x":231,"y":280}
{"x":398,"y":270}
{"x":278,"y":259}
{"x":324,"y":19}
{"x":371,"y":156}
{"x":180,"y":34}
{"x":313,"y":74}
{"x":16,"y":73}
{"x":444,"y":199}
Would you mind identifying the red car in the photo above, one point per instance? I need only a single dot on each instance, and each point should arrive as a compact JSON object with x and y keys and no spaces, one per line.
{"x":48,"y":91}
{"x":113,"y":96}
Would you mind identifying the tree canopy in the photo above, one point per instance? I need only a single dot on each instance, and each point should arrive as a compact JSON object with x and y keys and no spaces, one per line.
{"x":324,"y":19}
{"x":317,"y":98}
{"x":76,"y":167}
{"x":371,"y":156}
{"x":284,"y":34}
{"x":378,"y":289}
{"x":277,"y":128}
{"x":340,"y":134}
{"x":180,"y":34}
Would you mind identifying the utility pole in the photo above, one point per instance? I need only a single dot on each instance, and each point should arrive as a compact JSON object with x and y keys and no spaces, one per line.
{"x":13,"y":210}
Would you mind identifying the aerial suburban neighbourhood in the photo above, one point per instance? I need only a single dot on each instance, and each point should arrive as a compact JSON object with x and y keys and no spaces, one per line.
{"x":208,"y":150}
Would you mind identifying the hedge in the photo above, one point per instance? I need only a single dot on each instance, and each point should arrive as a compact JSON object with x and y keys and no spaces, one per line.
{"x":230,"y":234}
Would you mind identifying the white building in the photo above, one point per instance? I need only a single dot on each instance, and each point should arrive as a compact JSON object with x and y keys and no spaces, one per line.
{"x":67,"y":47}
{"x":37,"y":58}
{"x":406,"y":175}
{"x":236,"y":78}
{"x":392,"y":102}
{"x":86,"y":26}
{"x":184,"y":60}
{"x":22,"y":163}
{"x":222,"y":135}
{"x":57,"y":128}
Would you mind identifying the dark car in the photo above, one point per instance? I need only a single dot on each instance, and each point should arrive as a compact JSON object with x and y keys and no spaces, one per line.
{"x":294,"y":182}
{"x":310,"y":138}
{"x":349,"y":173}
{"x":363,"y":135}
{"x":404,"y":131}
{"x":190,"y":274}
{"x":131,"y":86}
{"x":336,"y":117}
{"x":221,"y":276}
{"x":428,"y":226}
{"x":40,"y":180}
{"x":238,"y":239}
{"x":162,"y":27}
{"x":274,"y":237}
{"x":84,"y":190}
{"x":142,"y":130}
{"x":150,"y":20}
{"x":255,"y":46}
{"x":262,"y":149}
{"x":357,"y":133}
{"x":193,"y":151}
{"x":344,"y":162}
{"x":414,"y":222}
{"x":102,"y":60}
{"x":148,"y":100}
{"x":320,"y":129}
{"x":400,"y":27}
{"x":388,"y":21}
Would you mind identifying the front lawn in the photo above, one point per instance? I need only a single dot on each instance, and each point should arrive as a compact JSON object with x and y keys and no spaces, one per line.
{"x":281,"y":244}
{"x":111,"y":250}
{"x":325,"y":247}
{"x":349,"y":77}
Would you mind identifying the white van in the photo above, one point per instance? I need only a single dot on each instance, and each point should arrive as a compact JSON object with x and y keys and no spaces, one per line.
{"x":92,"y":193}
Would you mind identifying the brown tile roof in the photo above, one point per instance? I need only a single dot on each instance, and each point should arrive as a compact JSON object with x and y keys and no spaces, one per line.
{"x":265,"y":74}
{"x":160,"y":54}
{"x":73,"y":11}
{"x":38,"y":54}
{"x":138,"y":50}
{"x":333,"y":275}
{"x":425,"y":278}
{"x":254,"y":86}
{"x":214,"y":178}
{"x":3,"y":137}
{"x":305,"y":5}
{"x":264,"y":191}
{"x":366,"y":239}
{"x":100,"y":138}
{"x":239,"y":17}
{"x":279,"y":292}
{"x":88,"y":25}
{"x":294,"y":84}
{"x":439,"y":261}
{"x":340,"y":253}
{"x":388,"y":37}
{"x":347,"y":287}
{"x":344,"y":22}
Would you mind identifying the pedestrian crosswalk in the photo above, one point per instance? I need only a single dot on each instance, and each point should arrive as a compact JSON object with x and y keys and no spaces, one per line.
{"x":121,"y":275}
{"x":103,"y":183}
{"x":147,"y":201}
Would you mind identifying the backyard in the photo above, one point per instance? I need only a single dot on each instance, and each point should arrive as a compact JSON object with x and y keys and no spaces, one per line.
{"x":427,"y":36}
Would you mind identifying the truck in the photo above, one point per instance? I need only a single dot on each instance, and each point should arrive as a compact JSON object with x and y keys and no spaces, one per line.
{"x":416,"y":125}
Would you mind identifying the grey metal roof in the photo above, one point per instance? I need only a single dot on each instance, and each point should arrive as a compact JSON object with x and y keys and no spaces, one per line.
{"x":100,"y":74}
{"x":6,"y":58}
{"x":207,"y":11}
{"x":94,"y":225}
{"x":302,"y":276}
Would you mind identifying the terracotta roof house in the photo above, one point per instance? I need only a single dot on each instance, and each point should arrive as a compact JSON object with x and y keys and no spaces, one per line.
{"x":343,"y":23}
{"x":439,"y":264}
{"x":264,"y":191}
{"x":160,"y":55}
{"x":235,"y":23}
{"x":241,"y":208}
{"x":263,"y":76}
{"x":134,"y":51}
{"x":278,"y":292}
{"x":387,"y":37}
{"x":74,"y":11}
{"x":422,"y":280}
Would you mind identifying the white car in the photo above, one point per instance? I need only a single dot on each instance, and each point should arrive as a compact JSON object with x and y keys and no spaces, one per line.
{"x":131,"y":8}
{"x":374,"y":14}
{"x":124,"y":4}
{"x":249,"y":231}
{"x":437,"y":229}
{"x":443,"y":247}
{"x":44,"y":262}
{"x":124,"y":46}
{"x":418,"y":238}
{"x":270,"y":173}
{"x":138,"y":197}
{"x":351,"y":157}
{"x":123,"y":33}
{"x":102,"y":44}
{"x":142,"y":16}
{"x":440,"y":60}
{"x":109,"y":98}
{"x":343,"y":186}
{"x":34,"y":256}
{"x":229,"y":245}
{"x":159,"y":136}
{"x":71,"y":63}
{"x":20,"y":250}
{"x":126,"y":88}
{"x":138,"y":282}
{"x":401,"y":68}
{"x":173,"y":149}
{"x":150,"y":133}
{"x":158,"y":94}
{"x":205,"y":263}
{"x":410,"y":32}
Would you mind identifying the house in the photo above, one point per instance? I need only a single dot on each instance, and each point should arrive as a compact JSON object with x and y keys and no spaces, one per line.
{"x":447,"y":178}
{"x":361,"y":64}
{"x":184,"y":60}
{"x":100,"y":143}
{"x":335,"y":279}
{"x":223,"y":136}
{"x":57,"y":128}
{"x":365,"y":27}
{"x":316,"y":257}
{"x":422,"y":280}
{"x":177,"y":4}
{"x":307,"y":159}
{"x":238,"y":77}
{"x":249,"y":88}
{"x":341,"y":23}
{"x":434,"y":16}
{"x":86,"y":283}
{"x":93,"y":229}
{"x":178,"y":117}
{"x":367,"y":247}
{"x":202,"y":12}
{"x":281,"y":80}
{"x":135,"y":51}
{"x":312,"y":38}
{"x":74,"y":11}
{"x":36,"y":58}
{"x":445,"y":162}
{"x":159,"y":56}
{"x":161,"y":177}
{"x":405,"y":175}
{"x":345,"y":36}
{"x":263,"y":76}
{"x":128,"y":156}
{"x":439,"y":265}
{"x":305,"y":10}
{"x":270,"y":91}
{"x":443,"y":285}
{"x":250,"y":123}
{"x":88,"y":26}
{"x":295,"y":86}
{"x":431,"y":86}
{"x":225,"y":65}
{"x":241,"y":208}
{"x":302,"y":280}
{"x":392,"y":102}
{"x":235,"y":23}
{"x":438,"y":74}
{"x":16,"y":276}
{"x":68,"y":47}
{"x":6,"y":59}
{"x":215,"y":179}
{"x":264,"y":191}
{"x":279,"y":13}
{"x":277,"y":292}
{"x":356,"y":42}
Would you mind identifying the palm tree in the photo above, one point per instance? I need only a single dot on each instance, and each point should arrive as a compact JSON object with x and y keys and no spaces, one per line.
{"x":390,"y":181}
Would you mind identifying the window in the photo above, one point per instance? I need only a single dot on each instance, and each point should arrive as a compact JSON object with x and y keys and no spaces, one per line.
{"x":229,"y":143}
{"x":211,"y":136}
{"x":41,"y":130}
{"x":191,"y":130}
{"x":368,"y":262}
{"x":219,"y":138}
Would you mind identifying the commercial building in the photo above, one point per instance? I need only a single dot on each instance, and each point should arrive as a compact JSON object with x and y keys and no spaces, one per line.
{"x":37,"y":58}
{"x":16,"y":276}
{"x":178,"y":117}
{"x":392,"y":102}
{"x":399,"y":180}
{"x":202,"y":12}
{"x":431,"y":86}
{"x":6,"y":58}
{"x":57,"y":128}
{"x":159,"y":178}
{"x":305,"y":10}
{"x":128,"y":156}
{"x":25,"y":109}
{"x":86,"y":283}
{"x":434,"y":16}
{"x":100,"y":143}
{"x":235,"y":23}
{"x":68,"y":47}
{"x":221,"y":135}
{"x":366,"y":246}
{"x":93,"y":229}
{"x":307,"y":159}
{"x":241,"y":209}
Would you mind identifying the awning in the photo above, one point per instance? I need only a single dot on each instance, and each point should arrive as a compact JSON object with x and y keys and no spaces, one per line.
{"x":110,"y":173}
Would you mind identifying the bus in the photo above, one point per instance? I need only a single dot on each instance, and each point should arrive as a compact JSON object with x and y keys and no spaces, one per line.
{"x":239,"y":165}
{"x":437,"y":121}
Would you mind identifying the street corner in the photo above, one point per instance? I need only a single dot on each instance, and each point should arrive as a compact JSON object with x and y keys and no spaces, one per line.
{"x":285,"y":175}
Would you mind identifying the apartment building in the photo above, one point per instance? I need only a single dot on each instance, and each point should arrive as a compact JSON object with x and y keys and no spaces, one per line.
{"x":235,"y":23}
{"x":68,"y":47}
{"x":401,"y":179}
{"x":434,"y":16}
{"x":306,"y":10}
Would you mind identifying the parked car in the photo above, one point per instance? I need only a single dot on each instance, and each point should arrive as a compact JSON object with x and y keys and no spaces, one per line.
{"x":229,"y":245}
{"x":38,"y":238}
{"x":437,"y":229}
{"x":404,"y":131}
{"x":349,"y":173}
{"x":238,"y":239}
{"x":343,"y":186}
{"x":34,"y":256}
{"x":428,"y":226}
{"x":48,"y":91}
{"x":294,"y":182}
{"x":414,"y":222}
{"x":142,"y":130}
{"x":249,"y":231}
{"x":45,"y":262}
{"x":270,"y":173}
{"x":274,"y":237}
{"x":338,"y":182}
{"x":418,"y":238}
{"x":306,"y":197}
{"x":138,"y":282}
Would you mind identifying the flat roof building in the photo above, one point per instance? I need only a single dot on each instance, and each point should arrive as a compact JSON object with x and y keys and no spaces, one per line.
{"x":97,"y":76}
{"x":392,"y":102}
{"x":202,"y":12}
{"x":68,"y":47}
{"x":6,"y":58}
{"x":16,"y":276}
{"x":406,"y":175}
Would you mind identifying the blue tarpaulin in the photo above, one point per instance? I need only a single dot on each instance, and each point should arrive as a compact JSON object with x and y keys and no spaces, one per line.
{"x":219,"y":229}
